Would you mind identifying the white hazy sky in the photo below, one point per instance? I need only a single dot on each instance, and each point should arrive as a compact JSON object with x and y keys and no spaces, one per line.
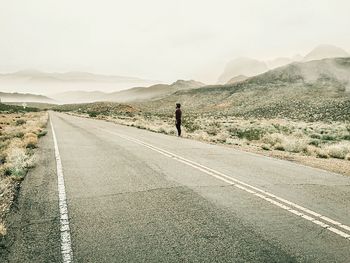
{"x":163,"y":39}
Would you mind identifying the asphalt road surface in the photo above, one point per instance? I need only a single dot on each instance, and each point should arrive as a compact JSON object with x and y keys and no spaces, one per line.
{"x":137,"y":196}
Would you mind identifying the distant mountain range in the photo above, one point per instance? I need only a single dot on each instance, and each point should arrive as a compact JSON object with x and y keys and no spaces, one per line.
{"x":314,"y":90}
{"x":252,"y":67}
{"x":130,"y":95}
{"x":50,"y":83}
{"x":134,"y":94}
{"x":73,"y":76}
{"x":242,"y":73}
{"x":152,"y":92}
{"x":24,"y":97}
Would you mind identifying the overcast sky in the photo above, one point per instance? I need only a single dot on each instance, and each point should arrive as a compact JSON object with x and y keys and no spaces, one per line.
{"x":163,"y":39}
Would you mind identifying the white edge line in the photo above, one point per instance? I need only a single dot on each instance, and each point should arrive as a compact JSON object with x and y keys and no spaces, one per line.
{"x":241,"y":185}
{"x":66,"y":243}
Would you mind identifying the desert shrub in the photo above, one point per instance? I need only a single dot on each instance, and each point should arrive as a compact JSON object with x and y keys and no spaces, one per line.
{"x":310,"y":150}
{"x":190,"y":125}
{"x":17,"y":162}
{"x":20,"y":122}
{"x":347,"y":157}
{"x":315,"y":136}
{"x":30,"y":140}
{"x":42,"y":133}
{"x":222,"y":137}
{"x":279,"y":147}
{"x":266,"y":147}
{"x":249,"y":133}
{"x":2,"y":158}
{"x":273,"y":138}
{"x":281,"y":128}
{"x":347,"y":126}
{"x":212,"y":130}
{"x":233,"y":141}
{"x":19,"y":134}
{"x":321,"y":153}
{"x":295,"y":145}
{"x":92,"y":114}
{"x":346,"y":137}
{"x":315,"y":142}
{"x":298,"y":134}
{"x":328,"y":137}
{"x":338,"y":150}
{"x":3,"y":143}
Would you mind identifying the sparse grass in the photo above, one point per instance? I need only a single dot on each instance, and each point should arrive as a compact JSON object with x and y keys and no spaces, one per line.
{"x":19,"y":133}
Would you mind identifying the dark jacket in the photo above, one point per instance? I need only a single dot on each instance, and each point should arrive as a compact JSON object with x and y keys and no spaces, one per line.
{"x":178,"y":115}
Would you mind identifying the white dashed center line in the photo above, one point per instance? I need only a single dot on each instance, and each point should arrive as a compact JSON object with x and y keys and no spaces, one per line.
{"x":305,"y":213}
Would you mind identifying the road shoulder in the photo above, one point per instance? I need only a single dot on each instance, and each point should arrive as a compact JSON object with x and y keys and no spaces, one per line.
{"x":33,"y":222}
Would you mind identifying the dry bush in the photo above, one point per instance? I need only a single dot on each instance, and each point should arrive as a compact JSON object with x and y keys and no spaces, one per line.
{"x":286,"y":143}
{"x":295,"y":145}
{"x":273,"y":139}
{"x":338,"y":150}
{"x":30,"y":140}
{"x":234,"y":141}
{"x":321,"y":153}
{"x":17,"y":162}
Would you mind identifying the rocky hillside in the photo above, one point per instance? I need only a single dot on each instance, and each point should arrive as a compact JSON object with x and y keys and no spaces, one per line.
{"x":315,"y":90}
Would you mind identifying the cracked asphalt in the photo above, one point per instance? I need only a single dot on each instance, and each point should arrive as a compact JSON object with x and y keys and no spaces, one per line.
{"x":127,"y":203}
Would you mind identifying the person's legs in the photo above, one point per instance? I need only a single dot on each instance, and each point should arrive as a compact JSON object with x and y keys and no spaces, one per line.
{"x":178,"y":127}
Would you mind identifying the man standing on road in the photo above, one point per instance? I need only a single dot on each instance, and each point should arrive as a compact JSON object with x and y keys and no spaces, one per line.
{"x":178,"y":115}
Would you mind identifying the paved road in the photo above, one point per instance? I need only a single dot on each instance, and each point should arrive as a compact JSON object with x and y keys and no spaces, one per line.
{"x":137,"y":196}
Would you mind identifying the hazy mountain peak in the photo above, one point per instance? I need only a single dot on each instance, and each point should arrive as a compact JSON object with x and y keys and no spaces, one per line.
{"x":326,"y":51}
{"x":242,"y":66}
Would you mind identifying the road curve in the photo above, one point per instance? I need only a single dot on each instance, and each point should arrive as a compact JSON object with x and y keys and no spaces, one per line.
{"x":137,"y":196}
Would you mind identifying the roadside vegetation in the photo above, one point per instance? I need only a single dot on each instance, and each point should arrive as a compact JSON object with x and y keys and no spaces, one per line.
{"x":19,"y":134}
{"x":323,"y":144}
{"x":318,"y":139}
